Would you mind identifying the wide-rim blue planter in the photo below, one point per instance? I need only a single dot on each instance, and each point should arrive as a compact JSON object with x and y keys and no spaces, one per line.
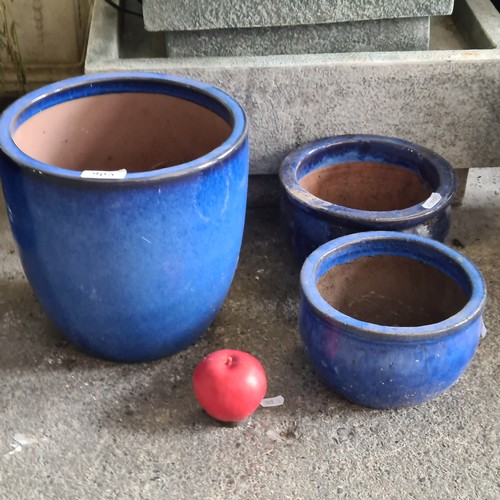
{"x":135,"y":268}
{"x":311,"y":221}
{"x":383,"y":366}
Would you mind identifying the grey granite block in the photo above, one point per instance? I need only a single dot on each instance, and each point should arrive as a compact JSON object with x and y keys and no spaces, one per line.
{"x":181,"y":15}
{"x":446,"y":100}
{"x":355,"y":36}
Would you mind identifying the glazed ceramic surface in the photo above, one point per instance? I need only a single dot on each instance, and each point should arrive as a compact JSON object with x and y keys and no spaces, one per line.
{"x":132,"y":268}
{"x":386,"y":365}
{"x":347,"y":184}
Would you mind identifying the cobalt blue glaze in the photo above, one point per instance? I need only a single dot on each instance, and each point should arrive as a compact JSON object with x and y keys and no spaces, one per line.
{"x":385,"y":366}
{"x":311,"y":221}
{"x":134,"y":269}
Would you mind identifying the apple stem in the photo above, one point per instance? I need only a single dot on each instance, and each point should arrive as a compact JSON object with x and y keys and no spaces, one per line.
{"x":229,"y":361}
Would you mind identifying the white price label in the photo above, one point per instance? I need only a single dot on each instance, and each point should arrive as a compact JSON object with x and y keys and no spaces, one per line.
{"x":270,"y":402}
{"x":432,"y":201}
{"x":103,"y":174}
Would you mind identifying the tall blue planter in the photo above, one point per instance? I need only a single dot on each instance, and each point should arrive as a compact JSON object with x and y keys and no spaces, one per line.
{"x":132,"y":269}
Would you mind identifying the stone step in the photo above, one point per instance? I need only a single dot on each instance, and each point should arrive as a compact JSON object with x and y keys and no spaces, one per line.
{"x":355,"y":36}
{"x":185,"y":15}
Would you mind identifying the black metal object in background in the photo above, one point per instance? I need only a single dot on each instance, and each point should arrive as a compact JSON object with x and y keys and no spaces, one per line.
{"x":123,"y":9}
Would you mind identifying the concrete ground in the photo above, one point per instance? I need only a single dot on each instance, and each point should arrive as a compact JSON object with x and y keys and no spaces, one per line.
{"x":76,"y":427}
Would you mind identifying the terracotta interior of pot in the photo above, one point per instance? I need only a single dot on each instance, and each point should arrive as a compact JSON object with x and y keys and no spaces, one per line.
{"x":367,"y":186}
{"x":392,"y":291}
{"x":135,"y":131}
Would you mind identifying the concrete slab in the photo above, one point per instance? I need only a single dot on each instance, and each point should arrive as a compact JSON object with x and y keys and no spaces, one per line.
{"x":355,"y":36}
{"x":446,"y":100}
{"x":179,"y":15}
{"x":85,"y":428}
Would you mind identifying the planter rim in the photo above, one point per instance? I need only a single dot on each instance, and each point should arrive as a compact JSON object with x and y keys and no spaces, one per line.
{"x":308,"y":278}
{"x":411,"y":215}
{"x":90,"y":85}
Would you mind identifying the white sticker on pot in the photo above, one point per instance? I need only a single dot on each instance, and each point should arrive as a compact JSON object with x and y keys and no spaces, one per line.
{"x":432,"y":201}
{"x":103,"y":174}
{"x":484,"y":331}
{"x":270,"y":402}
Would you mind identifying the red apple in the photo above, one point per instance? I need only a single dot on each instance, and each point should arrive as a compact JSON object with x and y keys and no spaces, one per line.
{"x":229,"y":384}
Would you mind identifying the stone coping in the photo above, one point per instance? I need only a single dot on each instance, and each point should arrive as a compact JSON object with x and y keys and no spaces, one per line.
{"x":446,"y":100}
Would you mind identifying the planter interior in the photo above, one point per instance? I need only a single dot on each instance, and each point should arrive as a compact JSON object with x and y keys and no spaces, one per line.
{"x":136,"y":131}
{"x":372,"y":186}
{"x":392,"y":290}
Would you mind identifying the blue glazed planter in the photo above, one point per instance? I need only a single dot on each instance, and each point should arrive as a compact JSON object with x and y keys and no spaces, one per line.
{"x":134,"y":268}
{"x":347,"y":184}
{"x":390,"y":319}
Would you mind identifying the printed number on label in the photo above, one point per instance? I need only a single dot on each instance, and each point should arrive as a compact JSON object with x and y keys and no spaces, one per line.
{"x":103,"y":174}
{"x":269,"y":402}
{"x":432,"y":201}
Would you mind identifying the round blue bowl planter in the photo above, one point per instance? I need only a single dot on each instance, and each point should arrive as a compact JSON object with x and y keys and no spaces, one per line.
{"x":311,"y":221}
{"x":129,"y":269}
{"x":382,"y":366}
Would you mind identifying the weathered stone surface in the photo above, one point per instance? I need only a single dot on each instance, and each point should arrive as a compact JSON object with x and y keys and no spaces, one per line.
{"x":446,"y":100}
{"x":180,"y":15}
{"x":355,"y":36}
